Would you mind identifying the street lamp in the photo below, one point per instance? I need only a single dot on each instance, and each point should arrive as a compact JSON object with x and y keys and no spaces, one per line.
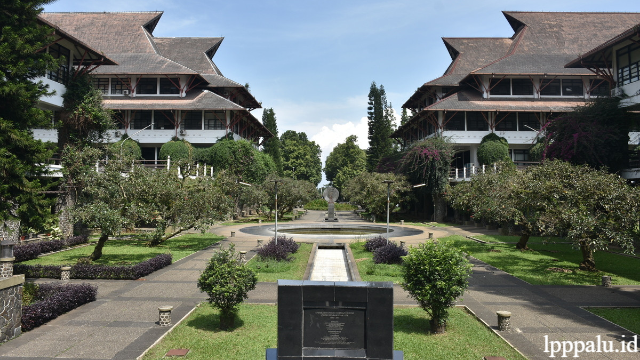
{"x":276,"y":184}
{"x":388,"y":182}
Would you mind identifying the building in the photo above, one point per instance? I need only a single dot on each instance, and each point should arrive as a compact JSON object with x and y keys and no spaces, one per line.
{"x":512,"y":85}
{"x":161,"y":88}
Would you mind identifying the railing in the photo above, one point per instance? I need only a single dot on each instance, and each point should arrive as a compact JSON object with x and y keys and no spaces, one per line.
{"x":465,"y":173}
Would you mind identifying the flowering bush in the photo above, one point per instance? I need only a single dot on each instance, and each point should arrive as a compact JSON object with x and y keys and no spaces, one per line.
{"x":53,"y":300}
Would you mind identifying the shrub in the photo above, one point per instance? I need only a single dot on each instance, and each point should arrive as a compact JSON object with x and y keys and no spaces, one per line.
{"x":179,"y":150}
{"x":24,"y":252}
{"x":50,"y":246}
{"x":375,"y":242}
{"x":29,"y":251}
{"x":435,"y":274}
{"x":492,"y":152}
{"x":280,"y":251}
{"x":389,"y":254}
{"x":55,"y":300}
{"x":76,"y":240}
{"x":38,"y":271}
{"x":227,"y":281}
{"x":130,"y":148}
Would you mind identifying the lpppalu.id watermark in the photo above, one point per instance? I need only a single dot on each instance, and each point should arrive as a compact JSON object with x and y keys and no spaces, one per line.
{"x":575,"y":348}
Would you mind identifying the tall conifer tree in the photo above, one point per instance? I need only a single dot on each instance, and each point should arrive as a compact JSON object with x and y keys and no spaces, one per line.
{"x":272,"y":146}
{"x":380,"y":122}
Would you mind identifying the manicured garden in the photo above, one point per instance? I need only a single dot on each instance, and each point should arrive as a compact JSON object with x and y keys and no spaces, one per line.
{"x":256,"y":330}
{"x":369,"y":271}
{"x":270,"y":270}
{"x":628,"y":318}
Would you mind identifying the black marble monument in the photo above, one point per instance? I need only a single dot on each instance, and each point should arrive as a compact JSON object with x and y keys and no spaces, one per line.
{"x":321,"y":320}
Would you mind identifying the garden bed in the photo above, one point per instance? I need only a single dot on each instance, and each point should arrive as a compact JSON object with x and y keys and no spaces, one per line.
{"x":52,"y":300}
{"x":271,"y":270}
{"x":374,"y":272}
{"x":256,"y":330}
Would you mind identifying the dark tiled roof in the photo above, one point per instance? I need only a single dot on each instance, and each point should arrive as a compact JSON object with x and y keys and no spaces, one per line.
{"x":111,"y":32}
{"x":594,"y":57}
{"x":141,"y":63}
{"x":204,"y":100}
{"x":550,"y":38}
{"x":471,"y":100}
{"x":220,"y":81}
{"x":194,"y":53}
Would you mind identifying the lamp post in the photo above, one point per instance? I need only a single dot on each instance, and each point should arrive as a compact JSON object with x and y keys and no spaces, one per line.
{"x":388,"y":182}
{"x":276,"y":184}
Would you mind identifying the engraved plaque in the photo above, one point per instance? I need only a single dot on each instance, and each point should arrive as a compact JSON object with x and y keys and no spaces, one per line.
{"x":334,"y":328}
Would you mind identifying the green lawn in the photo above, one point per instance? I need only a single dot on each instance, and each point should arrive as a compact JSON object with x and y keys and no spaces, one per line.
{"x":429,"y":224}
{"x":531,"y":266}
{"x":124,"y":252}
{"x":374,"y":272}
{"x":514,"y":239}
{"x":271,"y":270}
{"x":256,"y":330}
{"x":628,"y":318}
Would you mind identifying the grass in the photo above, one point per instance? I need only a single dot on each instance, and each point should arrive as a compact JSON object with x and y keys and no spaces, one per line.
{"x":369,"y":271}
{"x":128,"y":252}
{"x":428,"y":224}
{"x":531,"y":266}
{"x":514,"y":239}
{"x":271,"y":270}
{"x":628,"y":318}
{"x":256,"y":330}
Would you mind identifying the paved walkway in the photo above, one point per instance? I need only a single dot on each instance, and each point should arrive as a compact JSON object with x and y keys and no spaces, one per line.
{"x":121,"y":324}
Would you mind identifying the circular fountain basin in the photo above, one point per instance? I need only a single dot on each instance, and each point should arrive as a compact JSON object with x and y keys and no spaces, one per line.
{"x":330,"y":230}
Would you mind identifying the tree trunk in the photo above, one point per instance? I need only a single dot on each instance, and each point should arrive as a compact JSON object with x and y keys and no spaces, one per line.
{"x":588,"y":262}
{"x":522,"y":243}
{"x":227,"y":319}
{"x":97,"y":251}
{"x":440,"y":207}
{"x":437,"y":327}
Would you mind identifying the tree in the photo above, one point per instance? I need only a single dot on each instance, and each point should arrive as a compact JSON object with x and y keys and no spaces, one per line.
{"x":596,"y":134}
{"x":272,"y":145}
{"x":227,"y":281}
{"x":435,"y":274}
{"x":404,"y":117}
{"x":301,"y":157}
{"x":22,"y":61}
{"x":241,"y":160}
{"x":345,"y":161}
{"x":428,"y":162}
{"x":380,"y":123}
{"x":291,"y":193}
{"x":368,"y":190}
{"x":493,"y":149}
{"x":179,"y":151}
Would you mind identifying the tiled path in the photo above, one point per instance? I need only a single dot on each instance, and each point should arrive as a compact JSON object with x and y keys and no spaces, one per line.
{"x":121,"y":324}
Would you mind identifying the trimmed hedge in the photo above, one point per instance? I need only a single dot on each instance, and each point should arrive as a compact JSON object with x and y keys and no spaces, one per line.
{"x":96,"y":271}
{"x":29,"y":251}
{"x":375,"y":242}
{"x":55,"y":300}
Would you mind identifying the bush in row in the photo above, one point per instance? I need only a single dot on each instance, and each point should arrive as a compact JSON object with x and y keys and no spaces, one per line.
{"x":281,"y":251}
{"x":389,"y":254}
{"x":24,"y":252}
{"x":85,"y":271}
{"x":54,"y":300}
{"x":375,"y":242}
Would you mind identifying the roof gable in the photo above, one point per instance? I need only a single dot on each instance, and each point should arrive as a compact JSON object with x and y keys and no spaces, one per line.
{"x":194,"y":53}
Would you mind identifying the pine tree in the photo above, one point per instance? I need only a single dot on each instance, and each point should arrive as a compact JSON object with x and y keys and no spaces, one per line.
{"x":22,"y":61}
{"x":380,"y":117}
{"x":404,"y":117}
{"x":272,"y":146}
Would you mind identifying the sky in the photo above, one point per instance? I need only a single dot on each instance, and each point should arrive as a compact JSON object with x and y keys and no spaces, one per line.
{"x":313,"y":61}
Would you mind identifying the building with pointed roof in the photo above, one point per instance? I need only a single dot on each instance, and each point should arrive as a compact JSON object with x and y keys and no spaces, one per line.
{"x":168,"y":86}
{"x":512,"y":85}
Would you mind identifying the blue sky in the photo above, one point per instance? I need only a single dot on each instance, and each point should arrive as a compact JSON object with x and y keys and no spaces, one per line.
{"x":313,"y":61}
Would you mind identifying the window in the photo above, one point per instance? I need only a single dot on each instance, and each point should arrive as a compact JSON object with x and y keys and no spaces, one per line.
{"x":168,"y":86}
{"x":476,"y":122}
{"x":628,"y":59}
{"x":215,"y":120}
{"x":550,"y":87}
{"x":148,"y":153}
{"x":520,"y":155}
{"x":506,"y":122}
{"x":599,"y":88}
{"x":521,"y":87}
{"x":572,"y":87}
{"x":119,"y":119}
{"x":454,"y":121}
{"x":61,"y":75}
{"x":500,"y":87}
{"x":528,"y":122}
{"x":193,"y":120}
{"x":147,"y":86}
{"x":118,"y":86}
{"x":163,"y":120}
{"x":141,"y":119}
{"x":102,"y":85}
